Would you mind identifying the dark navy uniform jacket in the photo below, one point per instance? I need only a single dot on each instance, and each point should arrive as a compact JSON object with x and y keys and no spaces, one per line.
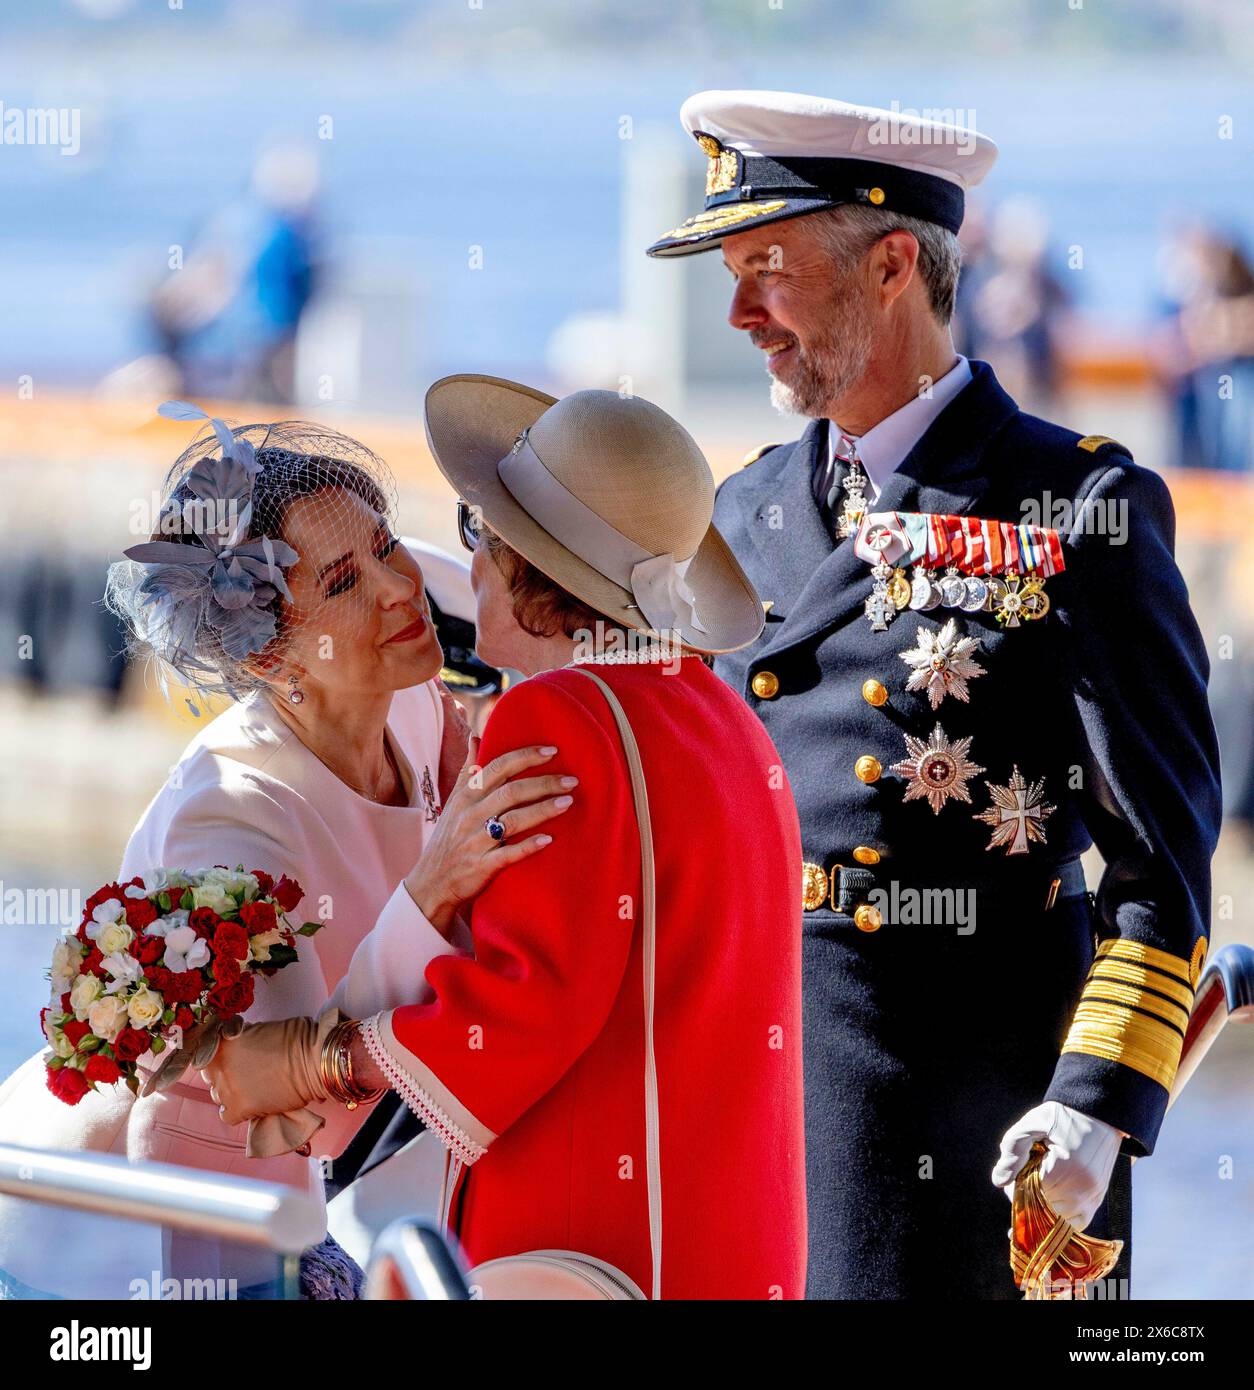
{"x":924,"y":1043}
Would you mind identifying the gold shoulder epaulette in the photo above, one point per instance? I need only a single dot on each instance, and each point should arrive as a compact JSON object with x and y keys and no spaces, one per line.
{"x":1094,"y":442}
{"x":755,"y":454}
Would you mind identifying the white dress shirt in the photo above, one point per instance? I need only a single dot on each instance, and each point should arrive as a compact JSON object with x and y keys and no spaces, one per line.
{"x":883,"y":448}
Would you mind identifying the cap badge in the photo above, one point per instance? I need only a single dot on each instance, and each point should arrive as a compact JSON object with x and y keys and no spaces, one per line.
{"x":720,"y":174}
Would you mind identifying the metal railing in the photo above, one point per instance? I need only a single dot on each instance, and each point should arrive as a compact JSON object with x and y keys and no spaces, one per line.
{"x":231,"y":1208}
{"x":411,"y":1260}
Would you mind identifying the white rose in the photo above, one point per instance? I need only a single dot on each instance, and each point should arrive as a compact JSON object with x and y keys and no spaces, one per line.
{"x":60,"y":1044}
{"x":84,"y":990}
{"x":115,"y":937}
{"x":145,"y":1007}
{"x":107,"y":1016}
{"x":66,"y":956}
{"x":248,"y":882}
{"x":260,"y":944}
{"x":213,"y":894}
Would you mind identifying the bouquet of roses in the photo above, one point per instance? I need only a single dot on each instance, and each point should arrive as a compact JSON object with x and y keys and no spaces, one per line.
{"x":162,"y":962}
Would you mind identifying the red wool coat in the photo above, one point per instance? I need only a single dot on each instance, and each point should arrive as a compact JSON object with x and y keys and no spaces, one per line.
{"x":530,"y":1061}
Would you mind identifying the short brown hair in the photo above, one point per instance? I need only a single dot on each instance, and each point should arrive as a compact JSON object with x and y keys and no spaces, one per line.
{"x":849,"y":231}
{"x":541,"y":606}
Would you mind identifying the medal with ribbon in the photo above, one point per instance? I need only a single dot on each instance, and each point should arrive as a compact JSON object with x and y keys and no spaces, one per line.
{"x":985,"y":565}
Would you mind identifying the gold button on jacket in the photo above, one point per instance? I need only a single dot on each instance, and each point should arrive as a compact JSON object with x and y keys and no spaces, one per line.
{"x":864,"y":854}
{"x":874,"y":692}
{"x":765,"y":685}
{"x":867,"y":768}
{"x":867,"y":918}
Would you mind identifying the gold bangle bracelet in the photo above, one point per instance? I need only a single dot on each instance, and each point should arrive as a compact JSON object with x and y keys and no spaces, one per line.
{"x":335,"y":1068}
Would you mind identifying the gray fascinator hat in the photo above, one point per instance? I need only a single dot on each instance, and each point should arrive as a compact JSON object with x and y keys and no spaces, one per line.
{"x":208,"y":591}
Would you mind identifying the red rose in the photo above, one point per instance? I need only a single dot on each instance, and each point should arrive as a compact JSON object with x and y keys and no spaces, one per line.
{"x":258,"y":917}
{"x":148,"y":950}
{"x":184,"y":1018}
{"x":76,"y":1031}
{"x":226,"y":970}
{"x":93,"y":964}
{"x":265,"y":884}
{"x":184,"y":988}
{"x":139,"y":913}
{"x":65,"y":1003}
{"x":67,"y":1084}
{"x":102,"y":1069}
{"x":203,"y":921}
{"x":159,"y":978}
{"x":287,"y":893}
{"x":228,"y":1000}
{"x":131,"y":1043}
{"x":229,"y":940}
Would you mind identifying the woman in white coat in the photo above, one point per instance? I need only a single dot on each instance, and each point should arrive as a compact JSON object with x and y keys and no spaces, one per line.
{"x":274,"y":576}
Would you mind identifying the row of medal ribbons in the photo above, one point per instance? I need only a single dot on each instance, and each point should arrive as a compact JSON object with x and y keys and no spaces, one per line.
{"x":967,"y":547}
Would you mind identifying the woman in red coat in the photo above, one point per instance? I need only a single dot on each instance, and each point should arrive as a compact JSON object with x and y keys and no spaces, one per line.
{"x":529,"y":1058}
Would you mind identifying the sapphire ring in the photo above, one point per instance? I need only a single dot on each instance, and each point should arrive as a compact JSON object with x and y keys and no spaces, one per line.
{"x":495,"y":827}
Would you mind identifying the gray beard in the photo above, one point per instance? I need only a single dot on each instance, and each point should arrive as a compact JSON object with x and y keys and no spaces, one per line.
{"x":828,"y":368}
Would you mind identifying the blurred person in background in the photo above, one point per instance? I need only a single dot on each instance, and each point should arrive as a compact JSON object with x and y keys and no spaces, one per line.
{"x":227,"y":319}
{"x":1016,"y":308}
{"x":1205,"y":349}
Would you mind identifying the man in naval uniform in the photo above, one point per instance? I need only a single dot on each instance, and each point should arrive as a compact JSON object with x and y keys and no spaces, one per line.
{"x":955,"y":735}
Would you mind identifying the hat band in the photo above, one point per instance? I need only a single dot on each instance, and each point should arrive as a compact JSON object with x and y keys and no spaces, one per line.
{"x":836,"y":180}
{"x":657,"y":581}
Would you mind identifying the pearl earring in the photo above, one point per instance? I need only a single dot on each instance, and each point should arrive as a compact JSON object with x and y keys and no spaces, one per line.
{"x":296,"y":695}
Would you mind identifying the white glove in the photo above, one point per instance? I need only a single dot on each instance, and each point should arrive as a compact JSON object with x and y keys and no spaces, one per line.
{"x":1075,"y":1172}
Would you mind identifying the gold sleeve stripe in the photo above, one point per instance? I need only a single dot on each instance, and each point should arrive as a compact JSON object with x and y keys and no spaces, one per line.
{"x":1196,"y":961}
{"x":1132,"y":998}
{"x":1122,"y":1035}
{"x":1134,"y":976}
{"x":1151,"y":957}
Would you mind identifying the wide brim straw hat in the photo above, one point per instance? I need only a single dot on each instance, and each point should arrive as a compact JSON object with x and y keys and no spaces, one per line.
{"x":607,"y":495}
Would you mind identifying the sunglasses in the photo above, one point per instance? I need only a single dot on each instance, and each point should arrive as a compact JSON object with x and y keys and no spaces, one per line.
{"x":469,"y":524}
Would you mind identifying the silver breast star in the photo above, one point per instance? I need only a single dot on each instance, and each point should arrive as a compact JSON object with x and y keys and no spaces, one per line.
{"x":942,"y":663}
{"x":1016,"y":814}
{"x":937,"y":769}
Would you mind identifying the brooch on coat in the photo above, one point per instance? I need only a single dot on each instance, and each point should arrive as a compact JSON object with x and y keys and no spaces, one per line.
{"x":428,"y":795}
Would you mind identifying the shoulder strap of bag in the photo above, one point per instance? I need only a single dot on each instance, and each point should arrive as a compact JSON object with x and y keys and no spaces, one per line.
{"x":640,"y":795}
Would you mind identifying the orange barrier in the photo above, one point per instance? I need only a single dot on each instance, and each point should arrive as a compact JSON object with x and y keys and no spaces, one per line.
{"x":65,"y":426}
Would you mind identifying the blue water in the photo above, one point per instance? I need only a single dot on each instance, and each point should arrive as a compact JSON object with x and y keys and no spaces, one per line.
{"x":521,"y":155}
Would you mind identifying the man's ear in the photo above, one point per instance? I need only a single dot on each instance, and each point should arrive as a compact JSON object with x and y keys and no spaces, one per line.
{"x":893,"y":262}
